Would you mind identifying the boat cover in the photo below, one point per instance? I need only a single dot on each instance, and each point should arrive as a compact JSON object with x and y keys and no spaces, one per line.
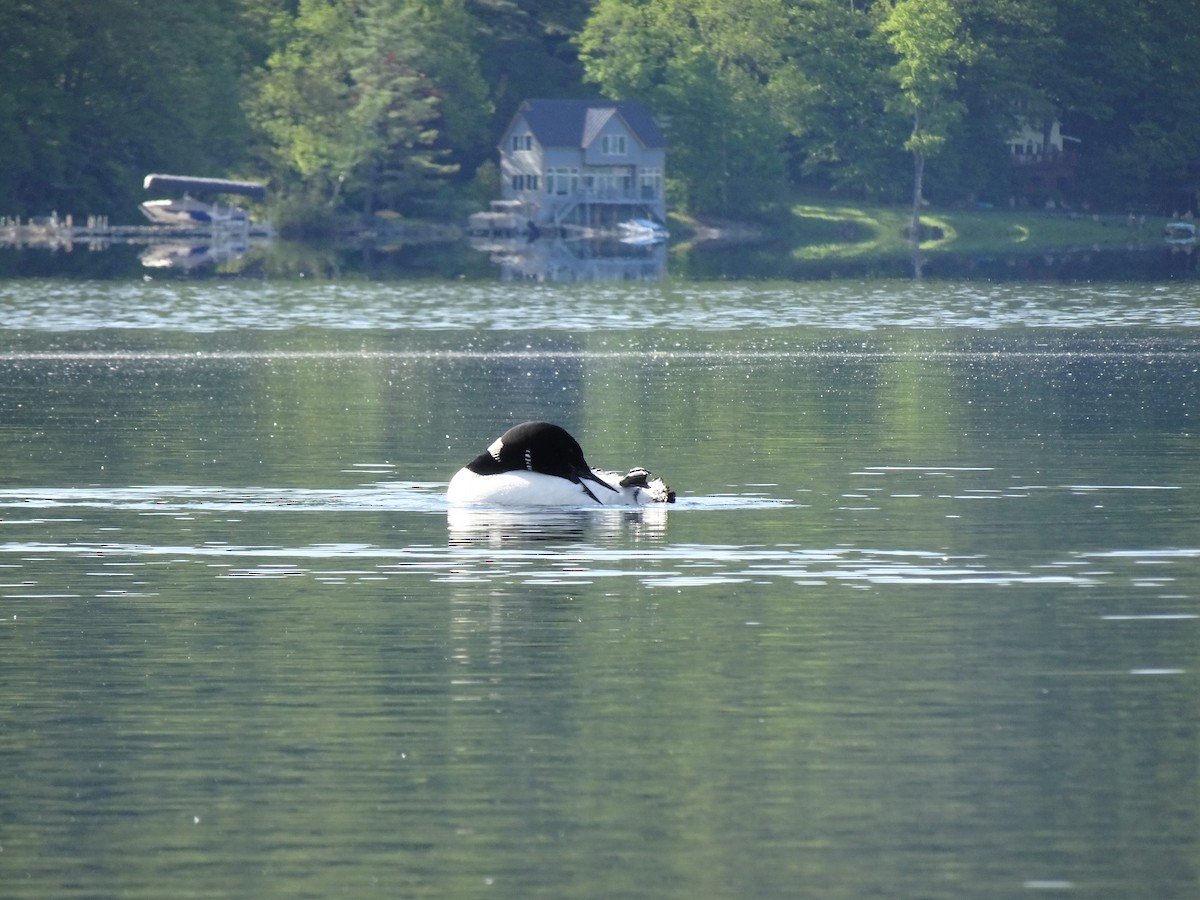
{"x":204,"y":185}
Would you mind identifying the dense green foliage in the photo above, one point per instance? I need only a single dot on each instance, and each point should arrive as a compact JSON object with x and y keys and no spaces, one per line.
{"x":363,"y":105}
{"x":96,"y":93}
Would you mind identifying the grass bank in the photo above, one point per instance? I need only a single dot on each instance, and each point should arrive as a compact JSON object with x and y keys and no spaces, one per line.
{"x":822,"y":230}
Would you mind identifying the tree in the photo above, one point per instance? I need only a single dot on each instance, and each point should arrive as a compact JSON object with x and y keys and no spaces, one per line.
{"x":1131,"y":96}
{"x":929,"y":38}
{"x":704,"y":67}
{"x":1014,"y":79}
{"x":387,"y":145}
{"x":347,"y":105}
{"x":300,"y":98}
{"x":96,"y":93}
{"x":832,"y":90}
{"x":450,"y":60}
{"x":526,"y":49}
{"x":35,"y":146}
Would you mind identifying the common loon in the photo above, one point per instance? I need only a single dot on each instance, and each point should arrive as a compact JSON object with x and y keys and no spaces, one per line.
{"x":540,"y":464}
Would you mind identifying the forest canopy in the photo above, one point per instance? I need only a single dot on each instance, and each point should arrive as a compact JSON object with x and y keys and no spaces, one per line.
{"x":355,"y":106}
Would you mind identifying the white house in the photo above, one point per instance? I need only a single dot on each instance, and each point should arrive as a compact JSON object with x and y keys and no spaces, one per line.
{"x":1043,"y":159}
{"x":589,"y":163}
{"x":1033,"y":141}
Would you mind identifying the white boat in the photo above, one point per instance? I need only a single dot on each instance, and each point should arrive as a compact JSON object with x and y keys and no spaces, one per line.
{"x":1179,"y":232}
{"x":642,"y":231}
{"x":188,"y":211}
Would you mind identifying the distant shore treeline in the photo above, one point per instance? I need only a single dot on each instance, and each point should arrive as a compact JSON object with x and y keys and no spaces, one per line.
{"x":349,"y":107}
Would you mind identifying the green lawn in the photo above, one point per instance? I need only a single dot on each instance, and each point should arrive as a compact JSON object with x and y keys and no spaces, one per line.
{"x":820,"y":229}
{"x":828,"y":229}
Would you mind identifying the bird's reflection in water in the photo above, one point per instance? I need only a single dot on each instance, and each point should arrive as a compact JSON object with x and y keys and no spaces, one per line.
{"x":494,"y":526}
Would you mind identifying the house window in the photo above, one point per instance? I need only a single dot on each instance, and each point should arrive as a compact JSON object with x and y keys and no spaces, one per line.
{"x":516,"y":142}
{"x":531,"y":181}
{"x":562,"y":180}
{"x":529,"y":142}
{"x":651,"y":180}
{"x":518,"y":182}
{"x":613,"y":145}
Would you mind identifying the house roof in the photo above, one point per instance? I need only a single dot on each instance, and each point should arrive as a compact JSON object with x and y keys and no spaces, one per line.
{"x":576,"y":123}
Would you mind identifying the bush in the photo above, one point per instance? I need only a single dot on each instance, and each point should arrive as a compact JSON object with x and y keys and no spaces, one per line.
{"x":303,"y":216}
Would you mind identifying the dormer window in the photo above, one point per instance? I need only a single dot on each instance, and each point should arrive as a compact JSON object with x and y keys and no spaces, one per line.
{"x":613,"y":145}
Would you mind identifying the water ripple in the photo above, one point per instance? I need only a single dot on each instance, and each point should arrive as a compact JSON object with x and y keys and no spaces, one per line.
{"x":399,"y":496}
{"x":557,"y":560}
{"x":566,"y":547}
{"x":423,"y":306}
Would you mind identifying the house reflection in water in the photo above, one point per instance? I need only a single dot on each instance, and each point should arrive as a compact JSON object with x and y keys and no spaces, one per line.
{"x":563,"y":260}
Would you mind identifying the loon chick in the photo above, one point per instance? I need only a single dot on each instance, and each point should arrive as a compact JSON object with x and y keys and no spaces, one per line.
{"x":540,"y":464}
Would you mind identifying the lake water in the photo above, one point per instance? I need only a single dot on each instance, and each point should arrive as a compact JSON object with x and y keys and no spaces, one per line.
{"x":923,"y":622}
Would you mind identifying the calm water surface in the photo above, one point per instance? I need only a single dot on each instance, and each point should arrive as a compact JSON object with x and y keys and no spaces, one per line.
{"x":923,"y":622}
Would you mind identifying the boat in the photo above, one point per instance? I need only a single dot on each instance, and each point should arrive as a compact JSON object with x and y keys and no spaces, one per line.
{"x":1179,"y":232}
{"x":189,"y":211}
{"x":642,"y":231}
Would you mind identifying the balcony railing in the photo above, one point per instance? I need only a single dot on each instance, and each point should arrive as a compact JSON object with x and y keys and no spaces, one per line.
{"x":595,"y":194}
{"x":1052,"y":159}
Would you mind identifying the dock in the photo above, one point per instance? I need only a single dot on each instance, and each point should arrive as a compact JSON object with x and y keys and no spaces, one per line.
{"x":96,"y":233}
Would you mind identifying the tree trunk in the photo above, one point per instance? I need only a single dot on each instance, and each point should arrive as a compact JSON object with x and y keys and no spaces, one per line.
{"x":914,"y":227}
{"x":372,"y":181}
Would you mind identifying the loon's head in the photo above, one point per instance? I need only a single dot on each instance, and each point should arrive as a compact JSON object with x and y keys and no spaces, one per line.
{"x":538,"y":447}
